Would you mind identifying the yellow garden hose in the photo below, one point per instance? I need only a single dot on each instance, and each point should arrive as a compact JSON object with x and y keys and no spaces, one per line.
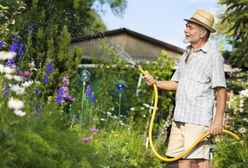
{"x":151,"y":128}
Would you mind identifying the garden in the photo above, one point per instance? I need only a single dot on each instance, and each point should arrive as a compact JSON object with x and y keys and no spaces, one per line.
{"x":54,"y":113}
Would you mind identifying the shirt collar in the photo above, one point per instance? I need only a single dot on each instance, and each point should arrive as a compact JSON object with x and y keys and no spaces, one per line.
{"x":204,"y":48}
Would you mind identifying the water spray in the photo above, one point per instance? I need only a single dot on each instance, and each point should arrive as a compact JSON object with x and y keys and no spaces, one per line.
{"x":125,"y":56}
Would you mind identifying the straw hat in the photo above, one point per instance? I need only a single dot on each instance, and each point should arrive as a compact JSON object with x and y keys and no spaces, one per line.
{"x":203,"y":18}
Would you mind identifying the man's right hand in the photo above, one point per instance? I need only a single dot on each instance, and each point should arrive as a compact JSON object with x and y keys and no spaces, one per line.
{"x":150,"y":80}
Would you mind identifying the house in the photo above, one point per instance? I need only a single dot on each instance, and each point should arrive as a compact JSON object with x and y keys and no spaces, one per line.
{"x":140,"y":47}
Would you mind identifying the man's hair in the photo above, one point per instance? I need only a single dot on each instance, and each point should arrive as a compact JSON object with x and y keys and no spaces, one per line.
{"x":207,"y":32}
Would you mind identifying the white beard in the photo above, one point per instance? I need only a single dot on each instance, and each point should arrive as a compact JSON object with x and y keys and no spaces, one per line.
{"x":185,"y":41}
{"x":192,"y":39}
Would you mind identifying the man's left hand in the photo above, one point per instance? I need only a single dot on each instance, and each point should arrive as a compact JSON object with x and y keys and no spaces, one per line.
{"x":216,"y":127}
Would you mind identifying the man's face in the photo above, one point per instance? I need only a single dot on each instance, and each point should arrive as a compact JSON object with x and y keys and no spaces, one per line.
{"x":192,"y":33}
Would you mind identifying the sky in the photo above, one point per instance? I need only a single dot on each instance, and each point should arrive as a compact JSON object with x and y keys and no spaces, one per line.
{"x":159,"y":19}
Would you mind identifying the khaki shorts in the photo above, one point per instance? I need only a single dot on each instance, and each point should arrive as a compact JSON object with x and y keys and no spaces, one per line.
{"x":183,"y":136}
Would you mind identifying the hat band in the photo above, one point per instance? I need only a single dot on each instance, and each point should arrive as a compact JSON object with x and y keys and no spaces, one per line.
{"x":201,"y":23}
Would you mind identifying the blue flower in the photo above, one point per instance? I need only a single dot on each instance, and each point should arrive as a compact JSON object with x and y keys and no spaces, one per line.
{"x":59,"y":99}
{"x":13,"y":47}
{"x":63,"y":95}
{"x":49,"y":68}
{"x":9,"y":62}
{"x":1,"y":45}
{"x":93,"y":97}
{"x":16,"y":38}
{"x":20,"y":50}
{"x":38,"y":108}
{"x":88,"y":91}
{"x":45,"y":79}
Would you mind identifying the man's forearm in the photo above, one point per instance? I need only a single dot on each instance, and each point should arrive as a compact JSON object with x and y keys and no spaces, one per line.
{"x":167,"y":85}
{"x":221,"y":104}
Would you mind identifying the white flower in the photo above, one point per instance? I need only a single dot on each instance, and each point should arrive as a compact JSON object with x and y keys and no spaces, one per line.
{"x":9,"y":70}
{"x":242,"y":130}
{"x":245,"y":119}
{"x":1,"y":68}
{"x":244,"y":93}
{"x":146,"y":105}
{"x":15,"y":104}
{"x":27,"y":84}
{"x":4,"y":55}
{"x":109,"y":114}
{"x":132,"y":108}
{"x":17,"y":89}
{"x":20,"y":113}
{"x":8,"y":76}
{"x":17,"y":78}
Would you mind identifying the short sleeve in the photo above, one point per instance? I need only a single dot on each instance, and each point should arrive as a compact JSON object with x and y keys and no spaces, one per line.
{"x":217,"y":72}
{"x":175,"y":76}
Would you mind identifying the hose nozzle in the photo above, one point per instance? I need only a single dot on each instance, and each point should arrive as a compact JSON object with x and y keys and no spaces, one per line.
{"x":144,"y":72}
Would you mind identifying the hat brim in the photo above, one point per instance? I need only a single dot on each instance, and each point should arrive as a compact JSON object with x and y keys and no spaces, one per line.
{"x":201,"y":24}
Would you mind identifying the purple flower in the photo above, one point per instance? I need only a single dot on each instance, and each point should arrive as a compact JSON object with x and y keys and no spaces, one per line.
{"x":37,"y":91}
{"x":38,"y":108}
{"x":63,"y":95}
{"x":66,"y":81}
{"x":93,"y":97}
{"x":20,"y":50}
{"x":6,"y":88}
{"x":26,"y":74}
{"x":30,"y":27}
{"x":16,"y":38}
{"x":49,"y":68}
{"x":88,"y":91}
{"x":66,"y":95}
{"x":59,"y":99}
{"x":86,"y":139}
{"x":45,"y":79}
{"x":94,"y":130}
{"x":9,"y":62}
{"x":17,"y":46}
{"x":1,"y":45}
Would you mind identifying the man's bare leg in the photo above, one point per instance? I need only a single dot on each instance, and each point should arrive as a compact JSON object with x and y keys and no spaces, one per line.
{"x":184,"y":163}
{"x":202,"y":163}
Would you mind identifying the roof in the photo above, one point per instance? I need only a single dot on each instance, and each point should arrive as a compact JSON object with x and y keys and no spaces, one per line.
{"x":131,"y":33}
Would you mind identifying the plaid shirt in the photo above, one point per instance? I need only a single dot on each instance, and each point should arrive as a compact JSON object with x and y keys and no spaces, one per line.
{"x":197,"y":78}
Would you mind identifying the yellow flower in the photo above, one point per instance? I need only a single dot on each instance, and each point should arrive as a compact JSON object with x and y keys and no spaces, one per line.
{"x":4,"y":55}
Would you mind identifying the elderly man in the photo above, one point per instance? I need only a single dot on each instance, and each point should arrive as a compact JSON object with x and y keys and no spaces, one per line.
{"x":199,"y":77}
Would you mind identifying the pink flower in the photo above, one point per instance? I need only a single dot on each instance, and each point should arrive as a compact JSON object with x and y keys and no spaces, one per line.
{"x":93,"y":130}
{"x":86,"y":139}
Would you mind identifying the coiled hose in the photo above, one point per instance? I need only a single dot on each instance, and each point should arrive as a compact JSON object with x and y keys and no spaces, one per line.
{"x":155,"y":89}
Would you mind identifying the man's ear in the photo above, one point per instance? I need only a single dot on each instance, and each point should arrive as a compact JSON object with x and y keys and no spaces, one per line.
{"x":203,"y":33}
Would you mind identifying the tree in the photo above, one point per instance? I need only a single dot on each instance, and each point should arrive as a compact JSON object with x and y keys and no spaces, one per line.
{"x":46,"y":28}
{"x":234,"y":25}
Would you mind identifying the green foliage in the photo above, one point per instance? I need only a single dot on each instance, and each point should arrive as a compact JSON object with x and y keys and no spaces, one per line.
{"x":134,"y":101}
{"x":124,"y":147}
{"x":236,"y":20}
{"x":45,"y":141}
{"x":9,"y":11}
{"x":231,"y":154}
